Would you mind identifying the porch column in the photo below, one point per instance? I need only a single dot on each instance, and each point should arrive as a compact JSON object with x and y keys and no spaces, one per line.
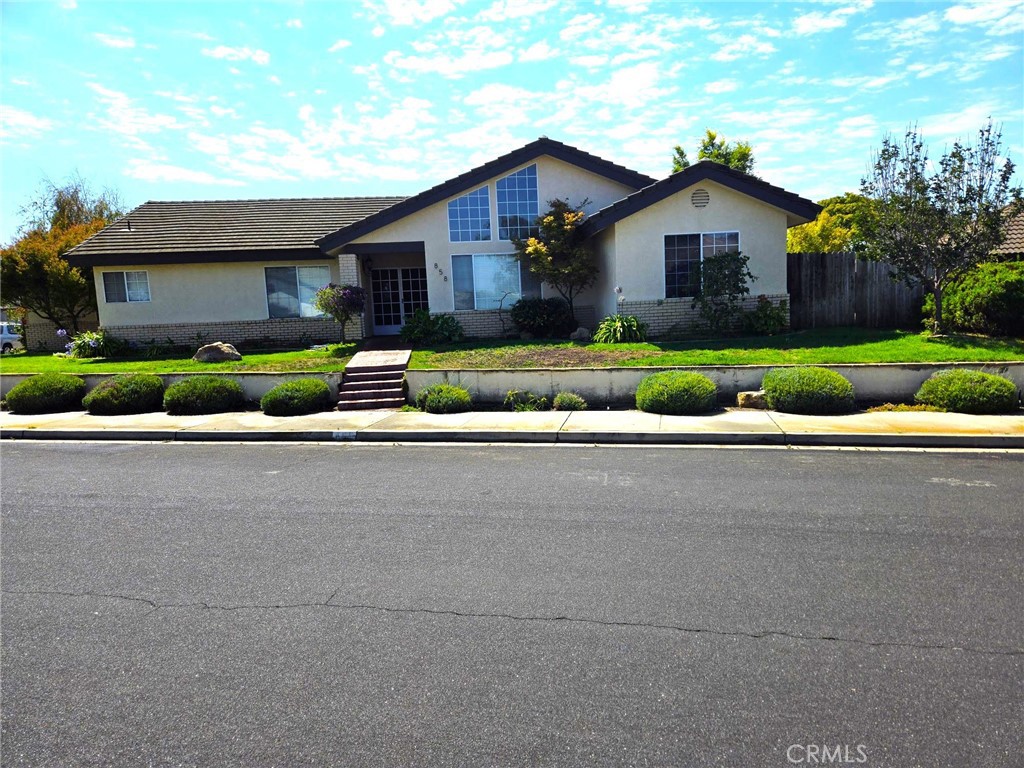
{"x":349,"y":273}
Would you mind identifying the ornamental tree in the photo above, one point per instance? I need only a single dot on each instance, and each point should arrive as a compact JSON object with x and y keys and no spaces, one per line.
{"x":342,"y":302}
{"x":559,"y":255}
{"x":839,"y":228}
{"x":935,"y":222}
{"x":738,"y":156}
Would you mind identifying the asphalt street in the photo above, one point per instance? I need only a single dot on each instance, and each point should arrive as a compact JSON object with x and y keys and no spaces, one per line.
{"x":380,"y":605}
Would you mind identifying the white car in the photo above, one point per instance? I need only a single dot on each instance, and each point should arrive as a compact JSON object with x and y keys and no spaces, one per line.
{"x":10,"y":337}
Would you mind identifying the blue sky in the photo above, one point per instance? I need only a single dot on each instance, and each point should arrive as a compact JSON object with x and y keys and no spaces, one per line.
{"x":175,"y":101}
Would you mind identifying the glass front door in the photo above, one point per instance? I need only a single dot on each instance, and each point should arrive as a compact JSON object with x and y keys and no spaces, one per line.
{"x":396,"y":295}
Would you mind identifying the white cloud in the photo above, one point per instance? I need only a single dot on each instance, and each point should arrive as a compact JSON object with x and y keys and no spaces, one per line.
{"x":860,"y":127}
{"x":115,"y":41}
{"x":228,"y":53}
{"x":590,"y":62}
{"x":721,"y":86}
{"x":378,"y":31}
{"x":158,"y":172}
{"x":539,"y":51}
{"x":68,"y":5}
{"x":981,"y":11}
{"x":913,"y":32}
{"x":579,"y":26}
{"x":505,"y":10}
{"x":294,"y":23}
{"x":409,"y":12}
{"x":21,"y":124}
{"x":733,"y":48}
{"x":339,"y":45}
{"x":125,"y":118}
{"x":630,"y":6}
{"x":816,"y":21}
{"x":455,"y":53}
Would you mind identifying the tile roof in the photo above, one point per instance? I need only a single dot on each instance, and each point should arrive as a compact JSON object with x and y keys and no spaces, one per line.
{"x":1014,"y":242}
{"x":217,"y":226}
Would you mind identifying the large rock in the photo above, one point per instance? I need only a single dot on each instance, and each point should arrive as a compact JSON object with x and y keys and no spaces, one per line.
{"x":752,"y":400}
{"x":218,"y":352}
{"x":580,"y":334}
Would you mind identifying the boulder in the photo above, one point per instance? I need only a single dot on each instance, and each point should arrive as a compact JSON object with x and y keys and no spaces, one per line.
{"x":217,"y":352}
{"x":580,"y":334}
{"x":753,"y":399}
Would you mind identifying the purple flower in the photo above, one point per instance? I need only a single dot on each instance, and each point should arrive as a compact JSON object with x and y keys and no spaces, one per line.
{"x":61,"y":332}
{"x":93,"y":343}
{"x":69,"y":346}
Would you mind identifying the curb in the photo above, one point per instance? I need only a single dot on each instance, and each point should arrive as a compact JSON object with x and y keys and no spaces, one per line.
{"x":796,"y":439}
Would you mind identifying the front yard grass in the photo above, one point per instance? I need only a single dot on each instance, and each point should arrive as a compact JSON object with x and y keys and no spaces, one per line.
{"x":814,"y":347}
{"x":292,"y":361}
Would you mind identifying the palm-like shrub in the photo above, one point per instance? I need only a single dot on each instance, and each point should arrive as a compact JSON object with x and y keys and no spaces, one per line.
{"x":620,"y":329}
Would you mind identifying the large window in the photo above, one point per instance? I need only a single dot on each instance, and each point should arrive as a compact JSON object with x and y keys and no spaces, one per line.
{"x":684,"y":255}
{"x":518,"y":204}
{"x":291,"y":290}
{"x":125,"y":286}
{"x":469,"y":217}
{"x":482,"y":280}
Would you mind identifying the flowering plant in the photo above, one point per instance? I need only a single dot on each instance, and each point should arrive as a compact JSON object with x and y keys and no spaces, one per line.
{"x":341,"y":302}
{"x":93,"y":344}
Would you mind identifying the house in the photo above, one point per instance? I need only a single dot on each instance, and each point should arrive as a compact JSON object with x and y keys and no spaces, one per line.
{"x":247,"y":270}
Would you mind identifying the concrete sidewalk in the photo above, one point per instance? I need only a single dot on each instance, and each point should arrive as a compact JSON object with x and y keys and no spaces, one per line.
{"x":727,"y":427}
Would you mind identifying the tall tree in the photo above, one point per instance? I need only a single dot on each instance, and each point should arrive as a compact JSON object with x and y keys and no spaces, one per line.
{"x":559,"y":255}
{"x":935,"y":222}
{"x":739,"y":156}
{"x":839,"y":227}
{"x":34,"y":274}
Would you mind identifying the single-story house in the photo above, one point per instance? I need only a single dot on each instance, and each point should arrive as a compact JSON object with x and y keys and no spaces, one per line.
{"x":247,"y":270}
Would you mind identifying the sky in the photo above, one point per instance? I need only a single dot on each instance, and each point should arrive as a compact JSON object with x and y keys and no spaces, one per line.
{"x":215,"y":100}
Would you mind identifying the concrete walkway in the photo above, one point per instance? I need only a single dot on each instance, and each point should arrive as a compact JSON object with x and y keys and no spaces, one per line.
{"x":728,"y":427}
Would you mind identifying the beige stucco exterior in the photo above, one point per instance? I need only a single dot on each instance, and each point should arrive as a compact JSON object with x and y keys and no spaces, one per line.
{"x":190,"y":293}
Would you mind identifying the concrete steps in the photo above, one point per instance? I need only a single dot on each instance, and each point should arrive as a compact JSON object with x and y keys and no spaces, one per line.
{"x":373,"y":380}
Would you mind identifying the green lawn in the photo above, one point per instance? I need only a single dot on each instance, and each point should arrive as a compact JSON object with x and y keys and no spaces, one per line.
{"x":330,"y":360}
{"x":830,"y":345}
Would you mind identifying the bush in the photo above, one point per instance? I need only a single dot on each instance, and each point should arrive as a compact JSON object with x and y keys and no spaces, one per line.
{"x":125,"y":394}
{"x":521,"y":400}
{"x":443,"y":398}
{"x":47,"y":393}
{"x":543,"y":318}
{"x":298,"y":397}
{"x":676,"y":393}
{"x":620,"y":329}
{"x":765,"y":319}
{"x":422,"y":328}
{"x":95,"y":344}
{"x":988,"y":299}
{"x":203,"y":394}
{"x":807,"y":390}
{"x":968,"y":392}
{"x":569,"y":401}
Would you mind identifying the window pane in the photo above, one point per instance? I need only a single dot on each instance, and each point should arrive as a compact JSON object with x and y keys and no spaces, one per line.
{"x":518,"y":204}
{"x":529,"y":281}
{"x":495,"y":276}
{"x":469,"y":217}
{"x":719,"y":242}
{"x":311,"y":280}
{"x":282,"y":292}
{"x":462,"y":281}
{"x":113,"y":287}
{"x":682,"y":265}
{"x":138,"y":286}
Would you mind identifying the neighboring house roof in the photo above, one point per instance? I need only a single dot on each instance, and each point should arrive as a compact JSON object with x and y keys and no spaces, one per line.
{"x":1014,"y":242}
{"x":477,"y":176}
{"x":799,"y":208}
{"x":223,"y":230}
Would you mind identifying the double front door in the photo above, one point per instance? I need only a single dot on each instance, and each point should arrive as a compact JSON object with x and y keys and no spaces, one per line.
{"x":396,"y":294}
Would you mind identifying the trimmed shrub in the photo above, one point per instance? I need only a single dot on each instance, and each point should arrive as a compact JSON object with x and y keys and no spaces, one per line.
{"x":443,"y":398}
{"x":765,"y":319}
{"x":676,"y":393}
{"x":988,"y":299}
{"x":968,"y":392}
{"x":203,"y":394}
{"x":47,"y":393}
{"x":296,"y":398}
{"x":569,"y":401}
{"x":125,"y":394}
{"x":424,"y":328}
{"x":521,"y":400}
{"x":807,"y":390}
{"x":620,"y":329}
{"x":543,"y":318}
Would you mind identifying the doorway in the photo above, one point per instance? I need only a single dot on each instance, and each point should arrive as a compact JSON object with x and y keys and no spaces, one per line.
{"x":396,"y":293}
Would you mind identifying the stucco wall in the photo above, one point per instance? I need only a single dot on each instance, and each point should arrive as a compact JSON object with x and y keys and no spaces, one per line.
{"x":197,"y":293}
{"x":640,"y":239}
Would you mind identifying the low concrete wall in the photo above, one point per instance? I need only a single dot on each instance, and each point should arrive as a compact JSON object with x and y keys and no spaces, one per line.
{"x":889,"y":382}
{"x":255,"y":385}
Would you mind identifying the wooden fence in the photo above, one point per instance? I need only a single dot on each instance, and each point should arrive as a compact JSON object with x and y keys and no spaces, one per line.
{"x":829,"y":289}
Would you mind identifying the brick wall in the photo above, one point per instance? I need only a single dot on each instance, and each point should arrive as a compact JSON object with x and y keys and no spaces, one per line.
{"x":486,"y":324}
{"x":668,"y":317}
{"x":41,"y":335}
{"x":291,"y":331}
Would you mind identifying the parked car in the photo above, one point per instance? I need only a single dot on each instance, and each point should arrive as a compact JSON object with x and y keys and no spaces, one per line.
{"x":10,"y":337}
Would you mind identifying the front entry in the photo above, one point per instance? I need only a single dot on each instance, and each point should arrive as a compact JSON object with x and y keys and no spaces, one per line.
{"x":396,"y":294}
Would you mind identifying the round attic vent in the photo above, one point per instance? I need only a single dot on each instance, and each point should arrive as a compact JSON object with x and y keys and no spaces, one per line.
{"x":700,"y":198}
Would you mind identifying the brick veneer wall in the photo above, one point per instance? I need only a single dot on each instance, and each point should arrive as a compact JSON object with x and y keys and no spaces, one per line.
{"x":41,"y":335}
{"x":667,"y":317}
{"x":486,"y":324}
{"x":291,"y":331}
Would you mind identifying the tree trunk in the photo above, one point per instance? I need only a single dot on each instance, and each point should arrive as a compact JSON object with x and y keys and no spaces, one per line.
{"x":939,"y":324}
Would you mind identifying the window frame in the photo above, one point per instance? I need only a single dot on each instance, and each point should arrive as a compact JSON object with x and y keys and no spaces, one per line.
{"x":124,"y":281}
{"x":531,"y":226}
{"x":701,"y":235}
{"x":295,"y":267}
{"x":486,"y":189}
{"x":473,"y":256}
